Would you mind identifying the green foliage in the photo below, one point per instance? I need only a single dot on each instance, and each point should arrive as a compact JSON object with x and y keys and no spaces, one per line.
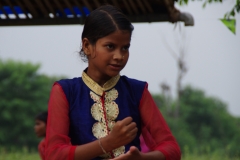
{"x":185,"y":2}
{"x":26,"y":155}
{"x":234,"y":10}
{"x":212,"y":125}
{"x":204,"y":125}
{"x":231,"y":13}
{"x":210,"y":156}
{"x":21,"y":154}
{"x":24,"y":93}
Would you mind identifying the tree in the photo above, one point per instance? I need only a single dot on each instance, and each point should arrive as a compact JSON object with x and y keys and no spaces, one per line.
{"x":179,"y":56}
{"x":232,"y":12}
{"x":208,"y":120}
{"x":205,"y":126}
{"x":23,"y":94}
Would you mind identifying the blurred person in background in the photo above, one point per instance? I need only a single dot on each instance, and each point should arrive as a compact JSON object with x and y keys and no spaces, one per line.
{"x":40,"y":130}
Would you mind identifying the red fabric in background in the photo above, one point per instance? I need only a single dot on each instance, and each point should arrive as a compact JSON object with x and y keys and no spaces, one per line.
{"x":144,"y":147}
{"x":41,"y":149}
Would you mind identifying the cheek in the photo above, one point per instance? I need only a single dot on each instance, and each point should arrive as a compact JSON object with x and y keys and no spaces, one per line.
{"x":126,"y":57}
{"x":42,"y":131}
{"x":43,"y":128}
{"x":96,"y":54}
{"x":100,"y":51}
{"x":36,"y":127}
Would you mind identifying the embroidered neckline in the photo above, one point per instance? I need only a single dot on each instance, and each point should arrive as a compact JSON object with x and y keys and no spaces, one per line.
{"x":96,"y":87}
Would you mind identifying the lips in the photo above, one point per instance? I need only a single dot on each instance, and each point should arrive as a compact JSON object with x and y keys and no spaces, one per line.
{"x":116,"y":66}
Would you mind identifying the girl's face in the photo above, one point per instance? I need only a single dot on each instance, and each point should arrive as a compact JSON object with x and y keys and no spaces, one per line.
{"x":108,"y":56}
{"x":40,"y":128}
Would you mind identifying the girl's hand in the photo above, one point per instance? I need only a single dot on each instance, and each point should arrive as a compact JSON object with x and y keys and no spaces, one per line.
{"x":123,"y":132}
{"x":132,"y":154}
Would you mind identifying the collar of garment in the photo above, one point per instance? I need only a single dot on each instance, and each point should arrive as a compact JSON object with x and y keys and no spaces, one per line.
{"x":96,"y":87}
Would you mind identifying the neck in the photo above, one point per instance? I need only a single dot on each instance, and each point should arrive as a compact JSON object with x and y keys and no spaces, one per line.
{"x":100,"y":80}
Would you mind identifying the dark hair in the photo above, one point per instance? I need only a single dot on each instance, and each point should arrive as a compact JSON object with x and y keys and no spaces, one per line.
{"x":42,"y":116}
{"x":102,"y":22}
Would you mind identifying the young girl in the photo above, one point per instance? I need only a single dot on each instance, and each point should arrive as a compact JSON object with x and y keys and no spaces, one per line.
{"x":40,"y":130}
{"x":102,"y":114}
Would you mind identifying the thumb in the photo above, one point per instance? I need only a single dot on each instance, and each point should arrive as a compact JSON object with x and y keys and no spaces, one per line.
{"x":133,"y":150}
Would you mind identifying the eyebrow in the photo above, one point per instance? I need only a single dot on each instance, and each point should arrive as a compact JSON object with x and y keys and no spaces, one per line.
{"x":128,"y":44}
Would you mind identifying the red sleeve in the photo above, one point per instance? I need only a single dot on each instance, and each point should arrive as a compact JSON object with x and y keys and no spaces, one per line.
{"x":58,"y":146}
{"x":41,"y":149}
{"x":155,"y":130}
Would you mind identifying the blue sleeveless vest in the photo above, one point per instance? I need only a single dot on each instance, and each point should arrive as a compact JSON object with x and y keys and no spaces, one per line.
{"x":81,"y":121}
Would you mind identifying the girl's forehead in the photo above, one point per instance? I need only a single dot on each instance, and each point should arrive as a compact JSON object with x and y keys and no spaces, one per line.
{"x":117,"y":36}
{"x":120,"y":32}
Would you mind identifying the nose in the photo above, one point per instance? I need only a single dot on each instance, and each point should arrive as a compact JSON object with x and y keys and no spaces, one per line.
{"x":118,"y":55}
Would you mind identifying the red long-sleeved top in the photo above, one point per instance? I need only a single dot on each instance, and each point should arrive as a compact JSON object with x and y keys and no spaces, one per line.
{"x":155,"y":130}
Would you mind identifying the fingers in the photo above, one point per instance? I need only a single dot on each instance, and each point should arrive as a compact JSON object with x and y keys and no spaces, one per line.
{"x":126,"y":121}
{"x":133,"y":153}
{"x":130,"y":128}
{"x":126,"y":124}
{"x":123,"y":132}
{"x":132,"y":132}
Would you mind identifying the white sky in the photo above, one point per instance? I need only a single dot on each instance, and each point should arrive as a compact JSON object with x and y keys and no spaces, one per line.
{"x":212,"y":57}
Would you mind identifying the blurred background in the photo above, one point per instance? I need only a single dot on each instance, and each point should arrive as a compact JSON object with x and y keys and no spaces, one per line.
{"x":193,"y":74}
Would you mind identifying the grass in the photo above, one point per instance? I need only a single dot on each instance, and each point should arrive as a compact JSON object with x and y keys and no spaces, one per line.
{"x":26,"y":155}
{"x":19,"y":156}
{"x":207,"y":157}
{"x":23,"y":154}
{"x":35,"y":156}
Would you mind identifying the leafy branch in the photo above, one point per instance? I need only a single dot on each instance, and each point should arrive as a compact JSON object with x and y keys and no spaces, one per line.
{"x":231,"y":13}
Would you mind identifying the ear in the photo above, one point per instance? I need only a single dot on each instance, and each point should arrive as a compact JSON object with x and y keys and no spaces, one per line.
{"x":87,"y":47}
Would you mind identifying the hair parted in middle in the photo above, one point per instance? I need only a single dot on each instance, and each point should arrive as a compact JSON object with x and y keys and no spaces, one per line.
{"x":103,"y":21}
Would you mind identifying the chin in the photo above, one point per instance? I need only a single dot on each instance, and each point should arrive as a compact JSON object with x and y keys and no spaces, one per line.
{"x":113,"y":74}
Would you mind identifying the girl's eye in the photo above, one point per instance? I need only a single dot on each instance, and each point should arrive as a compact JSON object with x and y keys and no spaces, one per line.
{"x":110,"y":46}
{"x":126,"y":48}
